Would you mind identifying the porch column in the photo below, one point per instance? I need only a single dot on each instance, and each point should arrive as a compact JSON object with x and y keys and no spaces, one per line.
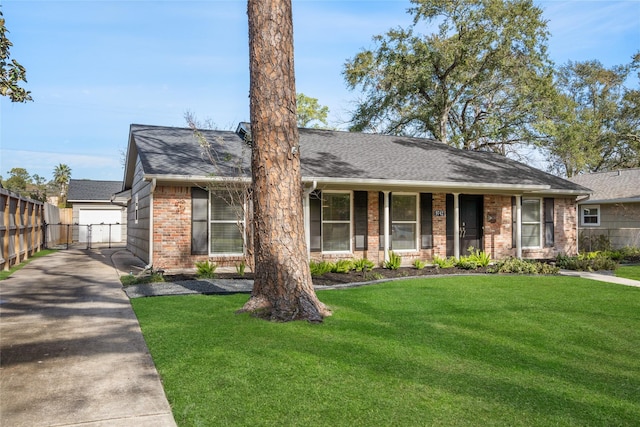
{"x":386,"y":243}
{"x":519,"y":227}
{"x":456,"y":225}
{"x":307,"y":222}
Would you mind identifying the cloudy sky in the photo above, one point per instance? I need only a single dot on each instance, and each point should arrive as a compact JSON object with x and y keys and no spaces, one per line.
{"x":94,"y":67}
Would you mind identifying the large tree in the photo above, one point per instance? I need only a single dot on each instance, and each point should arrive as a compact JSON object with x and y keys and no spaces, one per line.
{"x":61,"y":177}
{"x":476,"y":83}
{"x":11,"y":72}
{"x":282,"y":287}
{"x":310,"y":112}
{"x":594,"y":124}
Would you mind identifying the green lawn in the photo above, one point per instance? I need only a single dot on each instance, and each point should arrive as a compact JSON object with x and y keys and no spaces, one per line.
{"x":629,"y":272}
{"x":478,"y":350}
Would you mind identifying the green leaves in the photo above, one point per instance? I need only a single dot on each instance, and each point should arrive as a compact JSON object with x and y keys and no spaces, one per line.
{"x":11,"y":72}
{"x":478,"y":82}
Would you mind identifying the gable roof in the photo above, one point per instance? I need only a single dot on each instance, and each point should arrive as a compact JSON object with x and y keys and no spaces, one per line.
{"x":611,"y":187}
{"x":85,"y":190}
{"x":348,"y":159}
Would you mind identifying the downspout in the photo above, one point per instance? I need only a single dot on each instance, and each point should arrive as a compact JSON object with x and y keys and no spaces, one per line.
{"x":307,"y":215}
{"x":153,"y":188}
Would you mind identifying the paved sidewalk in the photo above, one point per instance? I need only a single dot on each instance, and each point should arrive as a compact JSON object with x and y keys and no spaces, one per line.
{"x":71,"y":349}
{"x":602,"y":277}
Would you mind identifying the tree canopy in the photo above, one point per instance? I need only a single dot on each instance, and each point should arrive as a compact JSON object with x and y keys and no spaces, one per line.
{"x":11,"y":72}
{"x":476,"y":83}
{"x":594,"y":124}
{"x":310,"y":113}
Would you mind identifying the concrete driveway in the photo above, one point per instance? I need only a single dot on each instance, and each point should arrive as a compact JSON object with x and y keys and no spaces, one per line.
{"x":71,"y":349}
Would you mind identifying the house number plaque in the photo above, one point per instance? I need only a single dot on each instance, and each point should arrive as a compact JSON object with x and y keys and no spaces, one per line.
{"x":438,"y":212}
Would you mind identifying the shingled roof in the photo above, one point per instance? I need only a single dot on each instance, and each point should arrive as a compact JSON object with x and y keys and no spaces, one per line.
{"x":358,"y":160}
{"x":612,"y":187}
{"x":85,"y":190}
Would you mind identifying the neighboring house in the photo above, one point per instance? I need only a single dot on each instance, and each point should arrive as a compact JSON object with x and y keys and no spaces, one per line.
{"x":363,"y":195}
{"x":611,"y":215}
{"x":98,"y":219}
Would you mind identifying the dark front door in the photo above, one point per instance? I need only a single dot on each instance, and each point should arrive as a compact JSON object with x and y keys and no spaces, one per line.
{"x":470,"y":230}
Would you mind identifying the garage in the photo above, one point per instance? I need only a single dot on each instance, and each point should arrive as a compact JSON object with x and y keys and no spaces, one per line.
{"x":100,"y":225}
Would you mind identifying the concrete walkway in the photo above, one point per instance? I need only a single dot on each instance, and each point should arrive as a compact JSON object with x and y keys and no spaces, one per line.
{"x":72,"y":353}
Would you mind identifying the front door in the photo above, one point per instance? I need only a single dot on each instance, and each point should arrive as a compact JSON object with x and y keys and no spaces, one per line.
{"x":470,"y":230}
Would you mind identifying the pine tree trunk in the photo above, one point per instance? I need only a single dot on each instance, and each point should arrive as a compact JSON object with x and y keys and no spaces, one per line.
{"x":282,"y":288}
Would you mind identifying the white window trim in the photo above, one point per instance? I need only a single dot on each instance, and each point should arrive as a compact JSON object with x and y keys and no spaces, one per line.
{"x":136,"y":210}
{"x":416,"y":243}
{"x":322,"y":222}
{"x":234,"y":221}
{"x":582,"y":223}
{"x":540,"y":222}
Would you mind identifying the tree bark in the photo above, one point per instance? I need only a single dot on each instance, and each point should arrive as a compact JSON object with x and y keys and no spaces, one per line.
{"x":282,"y":289}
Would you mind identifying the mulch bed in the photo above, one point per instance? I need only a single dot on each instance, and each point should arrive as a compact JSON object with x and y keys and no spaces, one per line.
{"x":330,"y":279}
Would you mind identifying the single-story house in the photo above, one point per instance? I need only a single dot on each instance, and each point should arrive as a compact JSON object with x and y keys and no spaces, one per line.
{"x":95,"y":217}
{"x":611,"y":215}
{"x":363,"y":195}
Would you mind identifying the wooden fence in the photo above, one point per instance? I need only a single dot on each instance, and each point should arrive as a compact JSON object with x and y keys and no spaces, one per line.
{"x":21,"y":228}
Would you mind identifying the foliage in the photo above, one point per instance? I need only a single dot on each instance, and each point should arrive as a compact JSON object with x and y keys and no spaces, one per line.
{"x":320,"y":268}
{"x":131,"y":279}
{"x":590,"y":261}
{"x":521,"y":266}
{"x":310,"y":111}
{"x":11,"y":72}
{"x":594,"y":124}
{"x":61,"y":176}
{"x":240,"y":267}
{"x":394,"y":261}
{"x":363,"y":265}
{"x":419,"y":264}
{"x":481,"y":258}
{"x":448,"y":351}
{"x":449,"y":262}
{"x":478,"y":83}
{"x":343,"y":266}
{"x":466,"y":263}
{"x":206,"y":269}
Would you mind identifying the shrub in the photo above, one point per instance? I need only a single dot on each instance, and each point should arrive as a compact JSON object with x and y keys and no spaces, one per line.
{"x":444,"y":262}
{"x":320,"y":268}
{"x":394,"y":261}
{"x":520,"y":266}
{"x":206,"y":269}
{"x":466,"y":263}
{"x":418,"y":264}
{"x":363,"y":265}
{"x":590,"y":261}
{"x":240,"y":267}
{"x":343,"y":266}
{"x":481,"y":258}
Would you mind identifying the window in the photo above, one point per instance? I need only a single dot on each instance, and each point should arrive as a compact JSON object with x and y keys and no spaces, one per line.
{"x":226,"y":223}
{"x":590,"y":215}
{"x":531,"y":228}
{"x":136,"y":208}
{"x":404,"y":221}
{"x":336,"y":222}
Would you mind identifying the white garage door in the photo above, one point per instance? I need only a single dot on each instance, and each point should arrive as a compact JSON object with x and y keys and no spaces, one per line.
{"x":99,"y":219}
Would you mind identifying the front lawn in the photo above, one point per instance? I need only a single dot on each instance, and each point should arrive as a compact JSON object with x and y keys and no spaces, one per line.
{"x":477,"y":350}
{"x":629,"y":272}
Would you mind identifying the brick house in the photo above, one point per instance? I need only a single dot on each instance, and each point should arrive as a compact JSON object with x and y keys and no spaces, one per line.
{"x":363,"y":195}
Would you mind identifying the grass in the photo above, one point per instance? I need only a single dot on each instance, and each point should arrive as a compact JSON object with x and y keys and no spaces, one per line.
{"x":43,"y":252}
{"x":506,"y":350}
{"x":629,"y":272}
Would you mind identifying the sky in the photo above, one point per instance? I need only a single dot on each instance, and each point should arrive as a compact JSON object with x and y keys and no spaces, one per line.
{"x":95,"y":67}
